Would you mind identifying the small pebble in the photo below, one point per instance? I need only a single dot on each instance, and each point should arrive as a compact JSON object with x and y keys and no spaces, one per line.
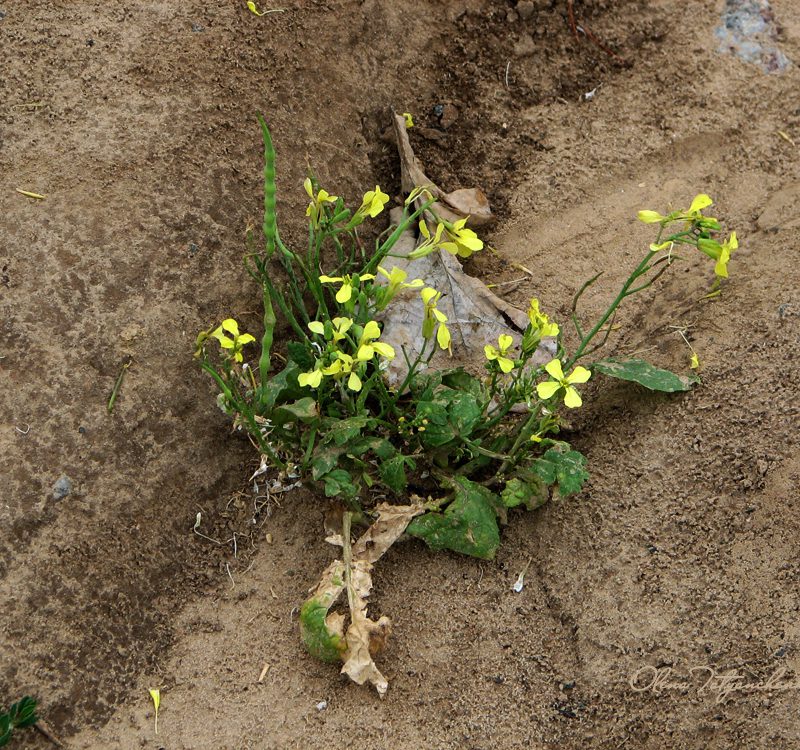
{"x":62,"y":488}
{"x":322,"y":705}
{"x":526,"y":8}
{"x":525,"y":46}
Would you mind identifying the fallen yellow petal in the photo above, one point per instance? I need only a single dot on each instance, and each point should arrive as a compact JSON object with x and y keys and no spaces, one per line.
{"x":155,"y":694}
{"x":39,"y":196}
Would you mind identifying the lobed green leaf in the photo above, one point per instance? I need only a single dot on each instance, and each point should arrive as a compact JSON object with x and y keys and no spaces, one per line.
{"x":468,"y":524}
{"x":563,"y":467}
{"x":639,"y":371}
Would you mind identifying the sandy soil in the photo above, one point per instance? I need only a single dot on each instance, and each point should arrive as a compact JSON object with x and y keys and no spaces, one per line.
{"x":137,"y":121}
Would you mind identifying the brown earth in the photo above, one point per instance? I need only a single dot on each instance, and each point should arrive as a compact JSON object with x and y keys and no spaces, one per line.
{"x":137,"y":121}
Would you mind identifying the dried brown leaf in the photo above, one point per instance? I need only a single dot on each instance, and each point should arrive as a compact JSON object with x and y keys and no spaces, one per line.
{"x":452,"y":206}
{"x":364,"y":637}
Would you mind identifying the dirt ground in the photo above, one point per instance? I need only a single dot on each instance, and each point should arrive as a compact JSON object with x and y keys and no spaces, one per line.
{"x":137,"y":121}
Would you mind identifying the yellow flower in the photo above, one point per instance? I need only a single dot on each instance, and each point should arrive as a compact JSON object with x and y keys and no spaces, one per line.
{"x":409,"y":119}
{"x":371,"y":205}
{"x":540,"y":321}
{"x":341,"y":366}
{"x":549,"y":388}
{"x":700,"y":202}
{"x":346,"y":289}
{"x":505,"y":342}
{"x":719,"y":252}
{"x":396,"y":281}
{"x":461,"y":241}
{"x":368,"y":346}
{"x":695,"y":361}
{"x":339,"y":327}
{"x":430,"y":243}
{"x":312,"y":379}
{"x":314,"y":210}
{"x":235,"y":341}
{"x":419,"y":192}
{"x":434,"y":318}
{"x":540,"y":326}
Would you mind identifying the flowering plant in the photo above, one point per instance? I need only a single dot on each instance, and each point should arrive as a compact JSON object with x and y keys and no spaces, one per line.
{"x":465,"y":447}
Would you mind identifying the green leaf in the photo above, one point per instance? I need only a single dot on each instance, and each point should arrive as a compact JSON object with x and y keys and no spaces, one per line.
{"x":450,"y":415}
{"x":639,"y":371}
{"x":317,"y":638}
{"x":530,"y":492}
{"x":564,"y":467}
{"x":6,"y":729}
{"x":468,"y":524}
{"x":281,"y":387}
{"x":23,"y":714}
{"x":339,"y":483}
{"x":325,"y":459}
{"x":300,"y":355}
{"x":344,"y":430}
{"x":393,"y":472}
{"x":459,"y":380}
{"x":304,"y":409}
{"x":423,"y":385}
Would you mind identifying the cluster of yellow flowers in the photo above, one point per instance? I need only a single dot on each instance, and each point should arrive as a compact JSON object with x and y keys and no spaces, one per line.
{"x":717,"y":251}
{"x":337,"y":364}
{"x":454,"y":237}
{"x":372,"y":204}
{"x":540,"y":326}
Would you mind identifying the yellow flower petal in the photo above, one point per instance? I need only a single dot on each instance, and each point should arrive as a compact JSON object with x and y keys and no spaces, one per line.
{"x":649,"y":217}
{"x":547,"y":389}
{"x":427,"y":294}
{"x":553,"y":368}
{"x":384,"y":350}
{"x":506,"y":365}
{"x":354,"y":382}
{"x":344,"y":294}
{"x":365,"y":353}
{"x":371,"y":331}
{"x":700,"y":202}
{"x":505,"y":342}
{"x":443,"y":336}
{"x":311,"y":379}
{"x":572,"y":398}
{"x":317,"y":327}
{"x":579,"y":375}
{"x":230,"y":325}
